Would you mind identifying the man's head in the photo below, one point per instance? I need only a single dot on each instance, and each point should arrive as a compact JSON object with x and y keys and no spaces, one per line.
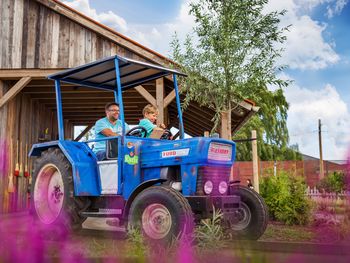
{"x":150,"y":112}
{"x":112,"y":111}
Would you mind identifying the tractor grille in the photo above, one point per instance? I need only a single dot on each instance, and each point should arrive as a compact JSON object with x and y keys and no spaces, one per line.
{"x":216,"y":174}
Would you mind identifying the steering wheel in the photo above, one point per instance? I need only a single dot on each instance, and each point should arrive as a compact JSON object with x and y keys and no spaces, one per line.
{"x":137,"y":131}
{"x":167,"y":135}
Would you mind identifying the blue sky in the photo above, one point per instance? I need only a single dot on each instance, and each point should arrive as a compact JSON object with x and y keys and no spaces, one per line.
{"x":317,"y":53}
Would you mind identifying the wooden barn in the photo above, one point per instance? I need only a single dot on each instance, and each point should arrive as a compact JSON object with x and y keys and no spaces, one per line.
{"x":41,"y":37}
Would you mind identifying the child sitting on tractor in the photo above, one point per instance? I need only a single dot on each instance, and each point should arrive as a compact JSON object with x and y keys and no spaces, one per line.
{"x":150,"y":114}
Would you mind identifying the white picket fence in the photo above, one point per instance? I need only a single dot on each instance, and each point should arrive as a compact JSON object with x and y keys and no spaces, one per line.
{"x":330,"y":199}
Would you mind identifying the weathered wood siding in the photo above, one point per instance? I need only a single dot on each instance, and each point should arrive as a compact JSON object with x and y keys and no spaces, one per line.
{"x":34,"y":36}
{"x":22,"y":121}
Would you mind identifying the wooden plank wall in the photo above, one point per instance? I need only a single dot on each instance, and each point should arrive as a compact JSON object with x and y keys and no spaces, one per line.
{"x":33,"y":36}
{"x":23,"y":122}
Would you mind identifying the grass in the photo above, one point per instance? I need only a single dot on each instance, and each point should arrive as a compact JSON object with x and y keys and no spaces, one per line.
{"x":285,"y":233}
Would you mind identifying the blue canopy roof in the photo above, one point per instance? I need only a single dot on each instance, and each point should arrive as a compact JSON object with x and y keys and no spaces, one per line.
{"x":102,"y":73}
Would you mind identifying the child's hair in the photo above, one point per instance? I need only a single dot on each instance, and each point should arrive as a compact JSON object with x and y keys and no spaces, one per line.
{"x":149,"y":108}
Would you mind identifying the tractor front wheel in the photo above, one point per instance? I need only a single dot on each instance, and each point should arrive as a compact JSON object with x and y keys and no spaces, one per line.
{"x":161,"y":213}
{"x":250,"y":220}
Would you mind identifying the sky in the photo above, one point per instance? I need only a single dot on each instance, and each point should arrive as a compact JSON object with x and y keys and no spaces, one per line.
{"x":316,"y":51}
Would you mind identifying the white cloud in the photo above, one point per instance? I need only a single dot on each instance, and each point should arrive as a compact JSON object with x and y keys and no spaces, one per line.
{"x":109,"y":19}
{"x":158,"y":37}
{"x":305,"y":48}
{"x":306,"y":107}
{"x":336,"y":8}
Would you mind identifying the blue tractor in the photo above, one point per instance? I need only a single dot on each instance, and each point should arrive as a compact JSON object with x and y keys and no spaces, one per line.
{"x":162,"y":187}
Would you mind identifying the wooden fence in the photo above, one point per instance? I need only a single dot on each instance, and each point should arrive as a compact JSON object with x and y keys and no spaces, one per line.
{"x":328,"y":199}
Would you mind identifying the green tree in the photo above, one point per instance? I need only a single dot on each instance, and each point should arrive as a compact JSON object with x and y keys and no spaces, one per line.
{"x":233,"y":57}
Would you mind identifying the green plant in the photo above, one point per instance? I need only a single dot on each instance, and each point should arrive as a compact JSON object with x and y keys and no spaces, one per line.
{"x":136,"y":243}
{"x":210,"y":233}
{"x":284,"y":195}
{"x":335,"y":182}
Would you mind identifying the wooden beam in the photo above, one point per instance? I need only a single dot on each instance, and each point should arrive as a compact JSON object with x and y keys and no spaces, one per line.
{"x":160,"y":100}
{"x":14,"y":90}
{"x":32,"y":88}
{"x":146,"y":94}
{"x":82,"y":96}
{"x":168,"y":99}
{"x":176,"y":135}
{"x":88,"y":128}
{"x":8,"y":74}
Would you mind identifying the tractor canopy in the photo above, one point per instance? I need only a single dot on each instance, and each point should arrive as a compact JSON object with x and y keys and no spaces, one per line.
{"x":102,"y":73}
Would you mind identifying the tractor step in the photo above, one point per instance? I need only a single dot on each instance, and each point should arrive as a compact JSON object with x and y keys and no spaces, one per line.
{"x":105,"y":224}
{"x":102,"y":213}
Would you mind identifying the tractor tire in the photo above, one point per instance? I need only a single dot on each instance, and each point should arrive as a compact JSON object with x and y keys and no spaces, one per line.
{"x":162,"y":214}
{"x":53,"y":205}
{"x":251,"y":219}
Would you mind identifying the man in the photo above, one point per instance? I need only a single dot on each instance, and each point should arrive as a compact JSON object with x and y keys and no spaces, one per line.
{"x":106,"y":127}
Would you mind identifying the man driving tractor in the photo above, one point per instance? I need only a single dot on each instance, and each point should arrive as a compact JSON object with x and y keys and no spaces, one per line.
{"x":107,"y":127}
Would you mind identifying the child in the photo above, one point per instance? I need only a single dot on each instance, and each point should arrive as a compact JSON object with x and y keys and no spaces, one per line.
{"x":150,"y":114}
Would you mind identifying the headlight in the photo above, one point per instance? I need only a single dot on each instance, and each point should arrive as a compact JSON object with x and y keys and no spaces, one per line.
{"x":222,"y":187}
{"x":208,"y":187}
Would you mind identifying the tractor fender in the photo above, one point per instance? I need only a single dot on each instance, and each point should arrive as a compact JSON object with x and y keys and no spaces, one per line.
{"x":38,"y":148}
{"x":138,"y":190}
{"x":83,"y":161}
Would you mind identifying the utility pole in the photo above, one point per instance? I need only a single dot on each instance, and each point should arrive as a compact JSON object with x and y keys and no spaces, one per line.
{"x":320,"y":146}
{"x":255,"y":162}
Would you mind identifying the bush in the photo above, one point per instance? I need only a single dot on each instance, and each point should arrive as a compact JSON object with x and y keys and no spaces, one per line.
{"x":284,"y":195}
{"x":335,"y":182}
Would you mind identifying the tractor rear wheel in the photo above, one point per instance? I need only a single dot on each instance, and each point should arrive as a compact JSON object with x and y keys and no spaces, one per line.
{"x":53,"y":201}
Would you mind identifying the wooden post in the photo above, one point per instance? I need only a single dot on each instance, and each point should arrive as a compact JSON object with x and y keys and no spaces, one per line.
{"x":160,"y":100}
{"x":2,"y":111}
{"x":255,"y":161}
{"x":2,"y":144}
{"x":320,"y":146}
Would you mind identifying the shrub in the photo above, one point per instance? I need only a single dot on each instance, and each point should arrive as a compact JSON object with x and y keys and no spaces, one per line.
{"x":335,"y":182}
{"x":284,"y":195}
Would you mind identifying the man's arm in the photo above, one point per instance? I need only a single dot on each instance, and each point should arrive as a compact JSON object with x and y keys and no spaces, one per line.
{"x":109,"y":133}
